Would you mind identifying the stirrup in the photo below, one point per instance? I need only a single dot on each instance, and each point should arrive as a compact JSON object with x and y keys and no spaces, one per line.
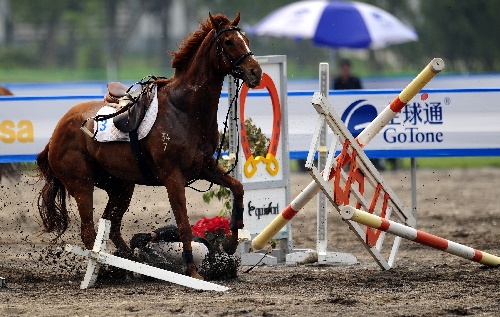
{"x":87,"y":131}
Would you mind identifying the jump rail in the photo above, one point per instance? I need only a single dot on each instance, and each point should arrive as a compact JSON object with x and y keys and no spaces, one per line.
{"x":433,"y":68}
{"x":409,"y":233}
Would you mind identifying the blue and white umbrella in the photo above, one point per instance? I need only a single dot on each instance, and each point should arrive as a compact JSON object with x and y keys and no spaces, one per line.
{"x":337,"y":24}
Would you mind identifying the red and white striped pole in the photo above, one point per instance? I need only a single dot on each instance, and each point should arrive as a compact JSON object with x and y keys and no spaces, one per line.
{"x":409,"y":233}
{"x":434,"y":67}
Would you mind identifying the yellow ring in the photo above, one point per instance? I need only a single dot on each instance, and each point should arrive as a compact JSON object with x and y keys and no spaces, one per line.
{"x":271,"y":160}
{"x":250,"y":161}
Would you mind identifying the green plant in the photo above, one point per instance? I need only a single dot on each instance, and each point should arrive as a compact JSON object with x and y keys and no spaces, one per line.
{"x":258,"y":141}
{"x":259,"y":144}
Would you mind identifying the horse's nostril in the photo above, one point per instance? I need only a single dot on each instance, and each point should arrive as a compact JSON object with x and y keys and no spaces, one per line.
{"x":257,"y":73}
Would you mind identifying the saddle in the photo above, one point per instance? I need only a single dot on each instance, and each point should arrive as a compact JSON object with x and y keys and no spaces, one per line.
{"x":131,"y":110}
{"x":135,"y":103}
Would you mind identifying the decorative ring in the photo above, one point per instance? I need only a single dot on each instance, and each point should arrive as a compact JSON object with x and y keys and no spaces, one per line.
{"x":272,"y":165}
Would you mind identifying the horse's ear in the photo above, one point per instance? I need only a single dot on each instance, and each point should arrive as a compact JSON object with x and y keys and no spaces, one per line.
{"x":212,"y":20}
{"x":236,"y":20}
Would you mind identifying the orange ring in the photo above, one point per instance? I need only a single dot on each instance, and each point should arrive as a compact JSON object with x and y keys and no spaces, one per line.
{"x":267,"y":83}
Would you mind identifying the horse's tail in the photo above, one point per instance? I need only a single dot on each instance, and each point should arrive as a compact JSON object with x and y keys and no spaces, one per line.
{"x":52,"y":198}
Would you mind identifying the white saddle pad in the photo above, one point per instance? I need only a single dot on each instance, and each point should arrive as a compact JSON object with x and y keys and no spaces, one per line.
{"x":107,"y":132}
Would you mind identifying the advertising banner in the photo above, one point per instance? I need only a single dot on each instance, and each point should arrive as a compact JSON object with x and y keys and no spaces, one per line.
{"x":437,"y":122}
{"x":26,"y":123}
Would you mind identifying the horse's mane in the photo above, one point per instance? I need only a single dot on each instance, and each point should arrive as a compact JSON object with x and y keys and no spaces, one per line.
{"x":5,"y":92}
{"x":191,"y":44}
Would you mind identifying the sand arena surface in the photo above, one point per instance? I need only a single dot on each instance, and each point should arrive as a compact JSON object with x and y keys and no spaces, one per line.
{"x":459,"y":205}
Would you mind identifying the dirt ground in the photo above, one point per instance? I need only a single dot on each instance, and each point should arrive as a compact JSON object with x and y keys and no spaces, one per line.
{"x":460,"y":205}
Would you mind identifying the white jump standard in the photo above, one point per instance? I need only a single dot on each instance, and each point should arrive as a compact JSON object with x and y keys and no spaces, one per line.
{"x":409,"y":233}
{"x":98,"y":256}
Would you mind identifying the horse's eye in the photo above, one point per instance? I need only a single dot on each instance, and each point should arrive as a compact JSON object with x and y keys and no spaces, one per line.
{"x":228,"y":42}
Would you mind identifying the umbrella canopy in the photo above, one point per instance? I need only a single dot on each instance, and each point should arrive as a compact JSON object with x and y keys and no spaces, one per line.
{"x":336,"y":24}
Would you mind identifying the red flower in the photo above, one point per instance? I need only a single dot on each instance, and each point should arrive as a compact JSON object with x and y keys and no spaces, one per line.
{"x":205,"y":225}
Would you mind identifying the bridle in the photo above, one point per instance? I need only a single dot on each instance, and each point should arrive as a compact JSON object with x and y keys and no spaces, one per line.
{"x":236,"y":71}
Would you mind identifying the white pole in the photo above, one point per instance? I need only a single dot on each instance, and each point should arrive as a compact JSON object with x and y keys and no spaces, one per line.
{"x":322,"y":215}
{"x":409,"y":233}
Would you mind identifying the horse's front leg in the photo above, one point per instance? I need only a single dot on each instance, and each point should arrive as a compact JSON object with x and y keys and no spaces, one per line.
{"x":177,"y":197}
{"x":220,"y":177}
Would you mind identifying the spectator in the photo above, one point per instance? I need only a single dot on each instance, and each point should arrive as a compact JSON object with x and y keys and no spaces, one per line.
{"x":348,"y":81}
{"x":345,"y":80}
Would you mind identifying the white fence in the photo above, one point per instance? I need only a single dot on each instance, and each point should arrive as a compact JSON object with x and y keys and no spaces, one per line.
{"x":438,"y":122}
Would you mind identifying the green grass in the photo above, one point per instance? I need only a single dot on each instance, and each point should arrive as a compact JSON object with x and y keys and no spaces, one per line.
{"x":60,"y":75}
{"x":130,"y":69}
{"x":49,"y":75}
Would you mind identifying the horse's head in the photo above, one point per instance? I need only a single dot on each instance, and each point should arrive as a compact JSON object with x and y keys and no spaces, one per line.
{"x":233,"y":52}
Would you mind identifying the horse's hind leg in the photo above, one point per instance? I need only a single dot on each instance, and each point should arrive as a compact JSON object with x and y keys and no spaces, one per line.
{"x":119,"y":196}
{"x":84,"y":197}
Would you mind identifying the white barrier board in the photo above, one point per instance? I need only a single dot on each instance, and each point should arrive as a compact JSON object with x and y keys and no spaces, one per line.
{"x":440,"y":122}
{"x":451,"y":122}
{"x":444,"y":120}
{"x":27,"y":123}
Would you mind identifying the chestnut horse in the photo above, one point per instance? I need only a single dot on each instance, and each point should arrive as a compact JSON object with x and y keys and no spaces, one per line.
{"x":74,"y":163}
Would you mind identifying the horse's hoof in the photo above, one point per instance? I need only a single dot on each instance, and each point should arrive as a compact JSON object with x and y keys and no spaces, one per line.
{"x":192,"y":272}
{"x":196,"y":275}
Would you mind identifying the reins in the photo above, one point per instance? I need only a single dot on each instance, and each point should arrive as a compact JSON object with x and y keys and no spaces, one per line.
{"x":221,"y":143}
{"x":237,"y":74}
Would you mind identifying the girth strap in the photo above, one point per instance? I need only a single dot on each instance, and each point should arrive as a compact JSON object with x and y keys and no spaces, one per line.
{"x":145,"y":168}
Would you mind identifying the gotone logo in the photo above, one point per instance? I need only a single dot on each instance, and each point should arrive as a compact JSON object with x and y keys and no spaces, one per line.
{"x":404,"y":127}
{"x":358,"y":115}
{"x":23,"y":131}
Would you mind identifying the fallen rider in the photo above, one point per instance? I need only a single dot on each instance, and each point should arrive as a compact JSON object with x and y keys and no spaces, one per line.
{"x":162,"y":248}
